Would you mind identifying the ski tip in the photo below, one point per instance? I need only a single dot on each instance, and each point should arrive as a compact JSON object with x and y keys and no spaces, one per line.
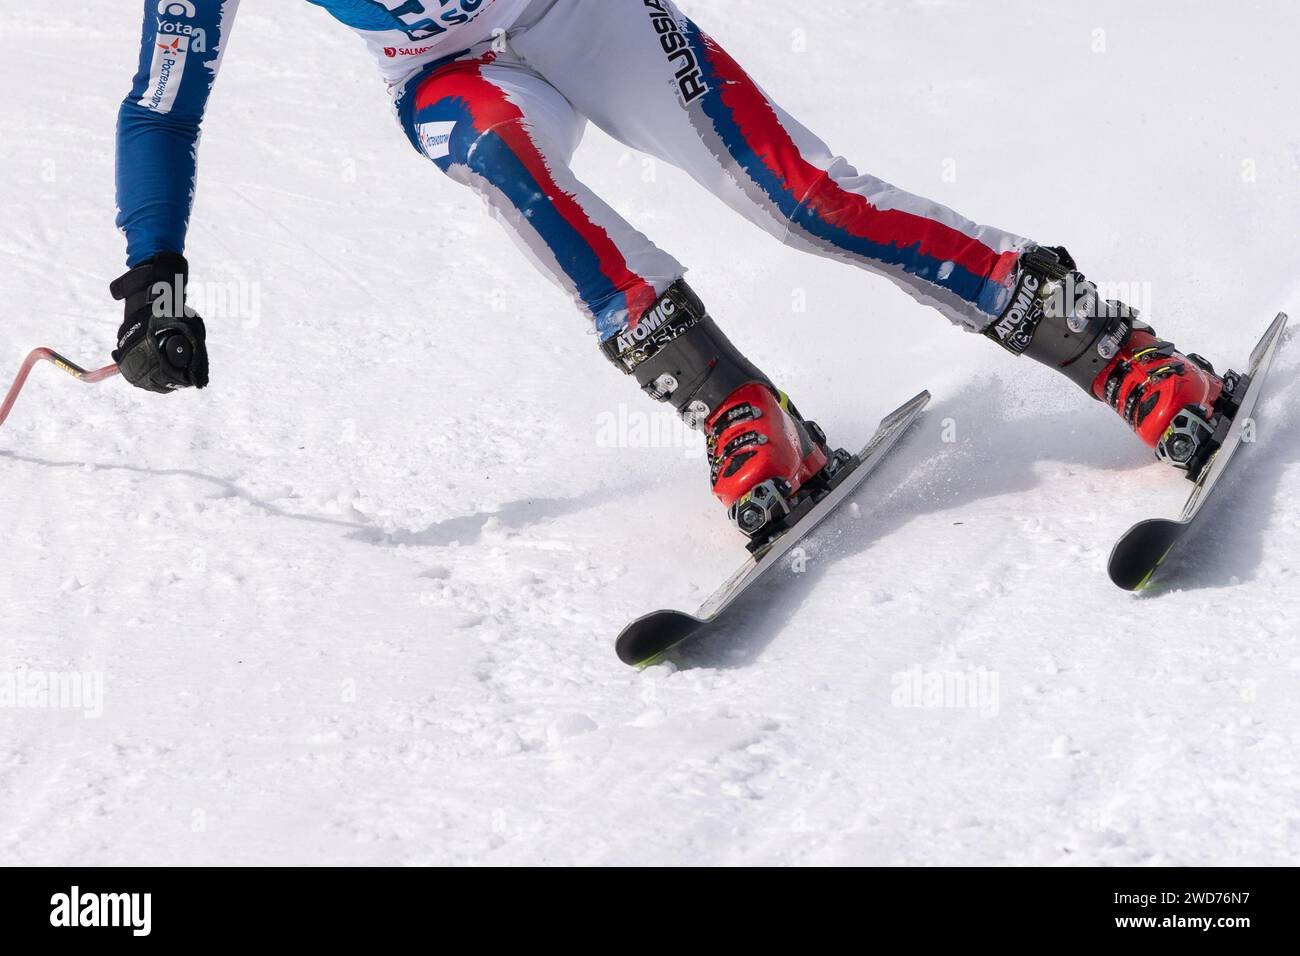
{"x":646,"y":640}
{"x":1141,"y":551}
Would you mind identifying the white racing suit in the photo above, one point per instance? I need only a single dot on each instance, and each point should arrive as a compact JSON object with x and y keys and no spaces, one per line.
{"x":497,"y":94}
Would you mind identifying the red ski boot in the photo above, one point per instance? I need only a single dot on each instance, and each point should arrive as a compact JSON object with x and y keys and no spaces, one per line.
{"x":762,"y":454}
{"x":1169,"y":399}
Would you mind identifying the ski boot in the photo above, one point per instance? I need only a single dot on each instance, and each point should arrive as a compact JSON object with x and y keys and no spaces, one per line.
{"x":1173,"y":402}
{"x":762,"y":454}
{"x":765,"y":460}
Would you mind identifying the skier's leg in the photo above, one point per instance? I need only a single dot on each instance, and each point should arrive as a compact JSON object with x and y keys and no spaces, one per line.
{"x":496,"y":125}
{"x":493,"y":124}
{"x":660,"y":84}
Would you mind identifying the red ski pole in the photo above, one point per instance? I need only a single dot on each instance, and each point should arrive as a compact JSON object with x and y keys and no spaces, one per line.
{"x":49,"y":355}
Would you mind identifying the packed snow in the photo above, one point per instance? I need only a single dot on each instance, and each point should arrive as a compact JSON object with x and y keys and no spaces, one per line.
{"x":356,"y":602}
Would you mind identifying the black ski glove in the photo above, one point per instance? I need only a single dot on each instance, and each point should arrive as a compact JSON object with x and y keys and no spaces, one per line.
{"x":161,"y":345}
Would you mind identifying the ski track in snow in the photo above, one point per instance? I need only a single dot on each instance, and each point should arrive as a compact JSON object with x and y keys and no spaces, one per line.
{"x":356,"y":602}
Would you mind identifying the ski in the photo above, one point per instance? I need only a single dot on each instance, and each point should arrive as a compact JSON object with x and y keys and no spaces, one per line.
{"x":1140,"y":552}
{"x":648,"y":639}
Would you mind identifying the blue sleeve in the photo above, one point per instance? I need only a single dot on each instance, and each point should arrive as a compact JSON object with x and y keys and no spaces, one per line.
{"x":181,"y":45}
{"x":376,"y":15}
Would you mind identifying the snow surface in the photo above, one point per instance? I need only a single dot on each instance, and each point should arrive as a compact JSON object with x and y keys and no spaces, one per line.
{"x":356,"y":602}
